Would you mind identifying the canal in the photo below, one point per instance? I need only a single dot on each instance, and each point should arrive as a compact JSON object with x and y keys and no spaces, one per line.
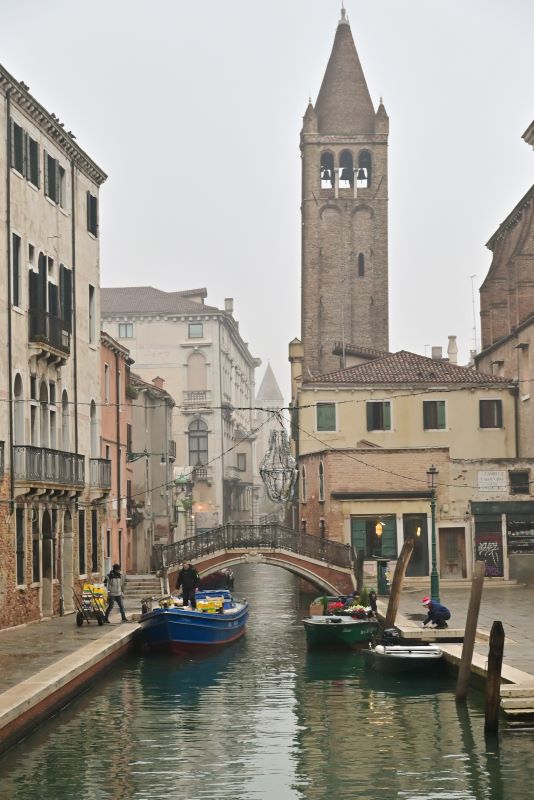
{"x":265,"y":720}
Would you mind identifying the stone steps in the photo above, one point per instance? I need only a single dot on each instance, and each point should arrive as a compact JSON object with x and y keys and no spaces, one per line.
{"x":517,"y":702}
{"x":140,"y":586}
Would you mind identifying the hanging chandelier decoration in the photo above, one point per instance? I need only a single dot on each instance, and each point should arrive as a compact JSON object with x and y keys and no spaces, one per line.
{"x":278,"y":468}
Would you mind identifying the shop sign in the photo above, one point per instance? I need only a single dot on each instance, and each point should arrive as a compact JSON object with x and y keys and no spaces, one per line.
{"x":493,"y":480}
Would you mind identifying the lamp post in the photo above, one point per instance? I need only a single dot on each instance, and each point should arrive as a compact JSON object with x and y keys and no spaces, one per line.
{"x":432,"y":476}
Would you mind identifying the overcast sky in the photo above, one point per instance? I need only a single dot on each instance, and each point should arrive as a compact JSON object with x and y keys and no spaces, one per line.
{"x":194,"y":110}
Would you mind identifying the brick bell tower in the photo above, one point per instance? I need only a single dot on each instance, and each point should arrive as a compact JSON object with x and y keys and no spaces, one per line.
{"x":344,"y":213}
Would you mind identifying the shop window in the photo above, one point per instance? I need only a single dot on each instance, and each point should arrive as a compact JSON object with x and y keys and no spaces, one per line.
{"x":491,"y":413}
{"x":379,"y":415}
{"x":326,"y":416}
{"x":376,"y":536}
{"x":433,"y":415}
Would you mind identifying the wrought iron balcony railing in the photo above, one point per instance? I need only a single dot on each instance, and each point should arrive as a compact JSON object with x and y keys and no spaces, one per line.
{"x":47,"y":329}
{"x":100,"y":472}
{"x":44,"y":465}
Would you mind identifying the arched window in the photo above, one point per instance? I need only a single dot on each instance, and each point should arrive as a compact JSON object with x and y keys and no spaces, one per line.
{"x":196,"y":373}
{"x":361,"y":265}
{"x":65,"y":433}
{"x":321,"y":482}
{"x":346,"y":170}
{"x":327,"y":170}
{"x":18,"y":415}
{"x":43,"y":404}
{"x":304,"y":487}
{"x":365,"y":165}
{"x":198,"y":443}
{"x":94,"y":431}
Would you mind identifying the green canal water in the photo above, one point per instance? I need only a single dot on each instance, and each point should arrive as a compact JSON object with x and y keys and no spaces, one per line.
{"x":265,"y":720}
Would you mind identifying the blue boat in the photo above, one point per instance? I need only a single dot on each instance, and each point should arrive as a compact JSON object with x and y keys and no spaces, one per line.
{"x":218,"y":620}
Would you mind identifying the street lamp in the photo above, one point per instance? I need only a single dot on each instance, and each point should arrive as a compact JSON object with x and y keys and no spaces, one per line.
{"x":432,"y":478}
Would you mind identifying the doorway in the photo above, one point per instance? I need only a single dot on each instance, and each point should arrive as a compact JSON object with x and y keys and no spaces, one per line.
{"x":415,"y":526}
{"x":452,"y":553}
{"x":48,"y":565}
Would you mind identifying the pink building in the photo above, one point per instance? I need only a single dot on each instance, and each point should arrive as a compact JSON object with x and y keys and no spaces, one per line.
{"x":116,"y":437}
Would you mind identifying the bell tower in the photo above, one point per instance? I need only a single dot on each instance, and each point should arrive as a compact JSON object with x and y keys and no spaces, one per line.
{"x":344,"y":213}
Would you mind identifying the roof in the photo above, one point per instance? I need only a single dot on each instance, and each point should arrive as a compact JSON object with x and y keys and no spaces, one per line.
{"x":354,"y":350}
{"x":344,"y":104}
{"x":112,"y":344}
{"x":513,"y":217}
{"x":269,"y":394}
{"x":411,"y":368}
{"x":148,"y":300}
{"x":138,"y":382}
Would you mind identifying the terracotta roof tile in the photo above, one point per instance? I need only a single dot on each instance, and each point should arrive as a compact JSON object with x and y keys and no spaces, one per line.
{"x":356,"y":350}
{"x":411,"y":368}
{"x":148,"y":300}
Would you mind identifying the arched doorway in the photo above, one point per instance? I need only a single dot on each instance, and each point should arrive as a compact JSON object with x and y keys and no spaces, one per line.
{"x":48,"y":564}
{"x":67,"y":571}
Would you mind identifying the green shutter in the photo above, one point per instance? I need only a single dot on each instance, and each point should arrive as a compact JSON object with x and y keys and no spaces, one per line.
{"x":358,"y":533}
{"x":441,"y":414}
{"x":370,"y":426}
{"x":387,"y":416}
{"x":389,"y":538}
{"x":326,"y":416}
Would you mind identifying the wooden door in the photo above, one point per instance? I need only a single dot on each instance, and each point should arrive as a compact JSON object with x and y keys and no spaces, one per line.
{"x":452,"y":553}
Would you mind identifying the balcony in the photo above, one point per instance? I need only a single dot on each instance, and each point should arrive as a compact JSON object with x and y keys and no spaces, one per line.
{"x":200,"y":398}
{"x":100,"y":473}
{"x":202,"y":474}
{"x":1,"y":459}
{"x":44,"y":465}
{"x":48,"y":330}
{"x":232,"y":473}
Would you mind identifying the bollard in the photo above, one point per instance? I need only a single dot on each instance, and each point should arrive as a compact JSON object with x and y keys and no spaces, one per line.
{"x":493,"y":678}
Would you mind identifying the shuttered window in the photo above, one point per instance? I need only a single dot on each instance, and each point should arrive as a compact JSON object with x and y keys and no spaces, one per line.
{"x":379,"y":416}
{"x":433,"y":414}
{"x":326,"y":416}
{"x":92,"y":214}
{"x":32,"y":161}
{"x":17,"y":147}
{"x":65,"y":296}
{"x":15,"y":273}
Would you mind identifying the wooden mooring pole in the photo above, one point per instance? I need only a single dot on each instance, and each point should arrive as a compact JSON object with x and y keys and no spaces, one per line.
{"x":358,"y":570}
{"x":396,"y":584}
{"x":493,"y":678}
{"x":464,"y":672}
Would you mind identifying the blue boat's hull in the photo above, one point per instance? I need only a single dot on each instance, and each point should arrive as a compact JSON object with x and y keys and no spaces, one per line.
{"x":176,"y":629}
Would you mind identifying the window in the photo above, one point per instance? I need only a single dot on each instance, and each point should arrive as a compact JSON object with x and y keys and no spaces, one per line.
{"x":346,"y":170}
{"x":106,"y":383}
{"x":361,"y":265}
{"x":491,"y":413}
{"x":94,"y":540}
{"x":125,"y":330}
{"x":81,"y":542}
{"x":322,"y":528}
{"x":65,"y":296}
{"x":326,"y":416}
{"x":92,"y":214}
{"x":36,"y":555}
{"x":304,"y":487}
{"x":32,"y":161}
{"x":20,"y":546}
{"x":196,"y":330}
{"x":198,"y":443}
{"x":321,"y":482}
{"x":17,"y":147}
{"x":519,"y":482}
{"x":92,"y":320}
{"x":364,"y":174}
{"x":62,"y":186}
{"x":15,"y":273}
{"x":242,"y":462}
{"x":52,"y":179}
{"x":364,"y":536}
{"x":433,"y":415}
{"x":327,"y":170}
{"x":379,"y":416}
{"x":108,"y":544}
{"x":129,"y":448}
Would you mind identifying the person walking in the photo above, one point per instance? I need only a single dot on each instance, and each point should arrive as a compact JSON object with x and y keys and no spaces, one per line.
{"x":188,"y":580}
{"x":115,"y":585}
{"x":436,"y":613}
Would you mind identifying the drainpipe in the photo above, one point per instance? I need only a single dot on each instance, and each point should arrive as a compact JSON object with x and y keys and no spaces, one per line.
{"x":118,"y":434}
{"x":74,"y":333}
{"x":9,"y":331}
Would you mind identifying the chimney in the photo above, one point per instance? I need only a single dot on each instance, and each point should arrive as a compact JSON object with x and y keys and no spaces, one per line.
{"x":158,"y":382}
{"x":229,"y":305}
{"x":452,"y":350}
{"x":437,"y":353}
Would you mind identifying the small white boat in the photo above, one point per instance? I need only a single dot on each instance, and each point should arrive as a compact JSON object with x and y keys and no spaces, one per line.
{"x":403,"y":657}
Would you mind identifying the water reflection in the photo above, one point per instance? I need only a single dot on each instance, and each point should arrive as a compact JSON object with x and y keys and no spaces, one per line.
{"x":264,"y":719}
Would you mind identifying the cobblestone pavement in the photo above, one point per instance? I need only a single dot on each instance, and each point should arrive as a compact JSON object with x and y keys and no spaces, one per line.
{"x":511,"y":605}
{"x":27,"y":649}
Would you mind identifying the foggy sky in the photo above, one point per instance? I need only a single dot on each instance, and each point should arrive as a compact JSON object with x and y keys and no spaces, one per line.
{"x":194,"y":110}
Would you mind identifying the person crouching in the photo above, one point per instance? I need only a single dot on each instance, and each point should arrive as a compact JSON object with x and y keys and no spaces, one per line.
{"x":436,"y":613}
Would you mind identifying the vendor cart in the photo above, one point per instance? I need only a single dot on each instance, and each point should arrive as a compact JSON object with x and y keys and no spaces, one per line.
{"x":91,"y":604}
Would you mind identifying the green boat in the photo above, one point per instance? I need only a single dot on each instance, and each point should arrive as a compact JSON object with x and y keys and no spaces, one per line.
{"x":338,"y":631}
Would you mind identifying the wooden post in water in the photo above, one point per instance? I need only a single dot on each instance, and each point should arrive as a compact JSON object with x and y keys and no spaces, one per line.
{"x":396,"y":584}
{"x":464,"y":673}
{"x":493,"y":678}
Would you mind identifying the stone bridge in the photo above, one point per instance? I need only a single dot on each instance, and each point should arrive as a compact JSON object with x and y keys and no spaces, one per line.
{"x":325,"y":564}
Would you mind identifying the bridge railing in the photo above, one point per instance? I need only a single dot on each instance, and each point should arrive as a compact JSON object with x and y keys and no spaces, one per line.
{"x":254,"y":537}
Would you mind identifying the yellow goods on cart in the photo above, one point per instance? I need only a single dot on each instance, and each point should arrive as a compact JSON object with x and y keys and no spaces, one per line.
{"x":92,"y":603}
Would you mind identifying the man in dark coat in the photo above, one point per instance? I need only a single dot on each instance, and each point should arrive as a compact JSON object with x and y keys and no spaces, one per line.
{"x":188,"y":580}
{"x":436,"y":613}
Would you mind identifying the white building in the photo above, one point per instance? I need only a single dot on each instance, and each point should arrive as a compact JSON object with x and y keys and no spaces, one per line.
{"x":209,"y":371}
